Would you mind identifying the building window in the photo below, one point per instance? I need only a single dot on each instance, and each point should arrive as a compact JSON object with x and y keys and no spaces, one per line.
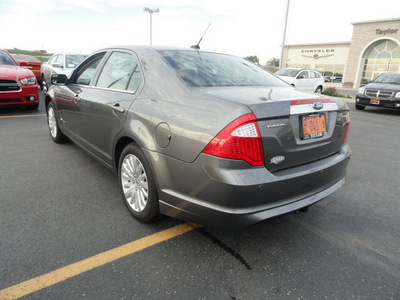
{"x":331,"y":73}
{"x":379,"y":58}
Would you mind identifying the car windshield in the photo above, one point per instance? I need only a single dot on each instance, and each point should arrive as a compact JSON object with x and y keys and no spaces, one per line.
{"x":5,"y":59}
{"x":287,"y":72}
{"x":74,"y":60}
{"x":388,"y":78}
{"x":204,"y":69}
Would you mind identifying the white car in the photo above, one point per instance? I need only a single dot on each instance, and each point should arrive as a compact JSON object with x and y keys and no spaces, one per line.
{"x":303,"y":79}
{"x":59,"y":63}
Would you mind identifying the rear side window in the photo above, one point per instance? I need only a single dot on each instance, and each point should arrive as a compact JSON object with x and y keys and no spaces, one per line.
{"x":118,"y":71}
{"x":204,"y":69}
{"x":303,"y":75}
{"x":313,"y":74}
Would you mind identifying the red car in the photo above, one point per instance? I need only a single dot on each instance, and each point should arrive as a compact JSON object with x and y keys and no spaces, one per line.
{"x":18,"y":86}
{"x":32,"y":62}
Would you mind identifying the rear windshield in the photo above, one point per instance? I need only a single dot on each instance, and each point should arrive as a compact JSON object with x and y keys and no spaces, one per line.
{"x":5,"y":59}
{"x":287,"y":72}
{"x":27,"y":58}
{"x":204,"y":69}
{"x":388,"y":78}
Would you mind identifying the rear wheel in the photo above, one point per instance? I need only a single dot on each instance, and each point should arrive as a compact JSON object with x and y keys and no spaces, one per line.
{"x":319,"y":90}
{"x":137,"y":184}
{"x":360,"y":107}
{"x":55,"y":132}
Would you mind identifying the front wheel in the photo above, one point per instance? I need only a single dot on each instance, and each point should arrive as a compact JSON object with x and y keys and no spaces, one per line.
{"x":360,"y":107}
{"x":137,"y":184}
{"x":44,"y":85}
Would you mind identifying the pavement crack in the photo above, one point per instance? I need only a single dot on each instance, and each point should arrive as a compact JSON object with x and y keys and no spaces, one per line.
{"x":226,"y":248}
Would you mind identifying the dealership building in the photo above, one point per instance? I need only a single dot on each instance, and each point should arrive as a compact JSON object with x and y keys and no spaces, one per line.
{"x":374,"y":49}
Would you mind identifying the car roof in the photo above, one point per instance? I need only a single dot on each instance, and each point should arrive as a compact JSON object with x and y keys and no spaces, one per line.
{"x":147,"y":48}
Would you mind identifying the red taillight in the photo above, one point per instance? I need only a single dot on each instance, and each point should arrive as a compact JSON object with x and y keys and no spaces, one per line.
{"x":347,"y":122}
{"x":241,"y":139}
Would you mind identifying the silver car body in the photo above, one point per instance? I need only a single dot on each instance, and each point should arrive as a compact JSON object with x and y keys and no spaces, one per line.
{"x":60,"y":63}
{"x":174,"y":120}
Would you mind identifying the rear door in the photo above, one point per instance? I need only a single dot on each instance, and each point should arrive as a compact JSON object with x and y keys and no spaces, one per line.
{"x":303,"y":81}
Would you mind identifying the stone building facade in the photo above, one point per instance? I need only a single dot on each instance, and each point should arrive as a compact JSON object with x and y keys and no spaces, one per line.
{"x":373,"y":50}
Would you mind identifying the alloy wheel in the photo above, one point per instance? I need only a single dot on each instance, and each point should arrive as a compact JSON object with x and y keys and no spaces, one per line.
{"x":134,"y":183}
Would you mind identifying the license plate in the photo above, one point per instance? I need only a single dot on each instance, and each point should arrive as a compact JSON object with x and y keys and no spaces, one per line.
{"x":314,"y":126}
{"x":375,"y":101}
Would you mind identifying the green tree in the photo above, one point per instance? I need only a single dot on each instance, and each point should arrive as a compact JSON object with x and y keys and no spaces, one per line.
{"x":253,"y":58}
{"x":273,"y":62}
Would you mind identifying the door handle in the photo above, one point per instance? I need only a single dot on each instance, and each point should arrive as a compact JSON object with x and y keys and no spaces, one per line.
{"x":77,"y":99}
{"x":117,"y":108}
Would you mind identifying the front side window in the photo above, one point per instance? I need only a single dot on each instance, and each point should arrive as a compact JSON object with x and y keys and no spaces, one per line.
{"x":52,"y":60}
{"x":118,"y":71}
{"x":287,"y":72}
{"x":204,"y":69}
{"x":85,"y":73}
{"x":59,"y":60}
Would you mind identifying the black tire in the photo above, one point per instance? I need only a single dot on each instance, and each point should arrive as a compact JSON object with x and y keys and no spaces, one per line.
{"x":360,"y":107}
{"x":318,"y":90}
{"x":55,"y":131}
{"x":137,"y":185}
{"x":44,"y":85}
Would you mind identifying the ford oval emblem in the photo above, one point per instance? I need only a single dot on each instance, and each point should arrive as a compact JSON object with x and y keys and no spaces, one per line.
{"x":317,"y":105}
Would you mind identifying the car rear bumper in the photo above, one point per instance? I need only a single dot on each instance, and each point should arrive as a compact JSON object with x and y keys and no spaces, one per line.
{"x":226,"y":193}
{"x":387,"y":103}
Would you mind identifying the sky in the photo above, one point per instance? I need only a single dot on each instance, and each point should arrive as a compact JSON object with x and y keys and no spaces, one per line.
{"x":242,"y":28}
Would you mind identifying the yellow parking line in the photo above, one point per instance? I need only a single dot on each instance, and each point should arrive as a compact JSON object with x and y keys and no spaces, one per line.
{"x":22,"y":116}
{"x":46,"y":280}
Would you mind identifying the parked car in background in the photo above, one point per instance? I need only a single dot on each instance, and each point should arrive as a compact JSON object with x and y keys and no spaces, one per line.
{"x":59,"y":63}
{"x":201,"y":136}
{"x":18,"y":86}
{"x":33,"y":64}
{"x":384,"y":91}
{"x":303,"y":79}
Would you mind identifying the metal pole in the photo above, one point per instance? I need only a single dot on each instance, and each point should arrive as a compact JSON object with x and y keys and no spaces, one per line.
{"x":151,"y":28}
{"x":284,"y":33}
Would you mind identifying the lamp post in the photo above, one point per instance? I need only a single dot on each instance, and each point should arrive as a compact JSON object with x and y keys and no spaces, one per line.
{"x":151,"y":11}
{"x":284,"y":33}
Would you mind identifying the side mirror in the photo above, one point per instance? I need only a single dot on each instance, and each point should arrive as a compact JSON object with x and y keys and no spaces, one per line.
{"x":23,"y":64}
{"x":59,"y":79}
{"x":57,"y":65}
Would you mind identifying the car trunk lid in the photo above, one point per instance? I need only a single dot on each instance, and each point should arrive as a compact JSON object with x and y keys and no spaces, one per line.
{"x":296,"y":127}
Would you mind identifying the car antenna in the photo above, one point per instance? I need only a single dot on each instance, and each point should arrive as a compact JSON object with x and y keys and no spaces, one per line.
{"x":197,"y":47}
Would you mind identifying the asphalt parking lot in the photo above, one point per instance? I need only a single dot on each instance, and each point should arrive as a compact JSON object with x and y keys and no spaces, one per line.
{"x":66,"y":234}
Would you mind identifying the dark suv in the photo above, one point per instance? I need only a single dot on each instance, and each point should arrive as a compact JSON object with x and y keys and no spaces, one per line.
{"x":384,"y":91}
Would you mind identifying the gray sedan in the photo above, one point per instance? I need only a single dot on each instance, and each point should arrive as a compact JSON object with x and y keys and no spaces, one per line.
{"x":201,"y":136}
